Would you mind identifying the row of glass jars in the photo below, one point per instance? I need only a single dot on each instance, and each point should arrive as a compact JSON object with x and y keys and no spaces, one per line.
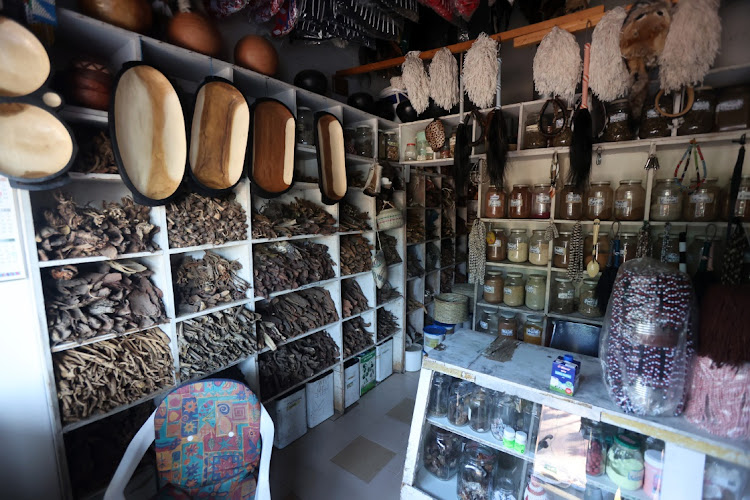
{"x":707,"y":203}
{"x":507,"y":324}
{"x":419,"y":148}
{"x":518,"y":247}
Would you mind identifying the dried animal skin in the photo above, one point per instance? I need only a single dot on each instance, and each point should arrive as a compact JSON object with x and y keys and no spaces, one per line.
{"x":353,"y":300}
{"x":210,"y":342}
{"x":201,"y":220}
{"x":85,"y":301}
{"x":387,"y":324}
{"x":80,"y":231}
{"x":356,"y":255}
{"x":356,"y":338}
{"x":204,"y":283}
{"x":99,"y":377}
{"x":298,"y":312}
{"x":282,"y":220}
{"x":289,"y":265}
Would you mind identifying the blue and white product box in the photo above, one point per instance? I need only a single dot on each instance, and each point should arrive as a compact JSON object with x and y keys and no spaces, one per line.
{"x":565,"y":371}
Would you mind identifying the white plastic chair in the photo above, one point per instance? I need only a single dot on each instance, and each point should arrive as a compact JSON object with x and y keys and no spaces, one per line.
{"x":146,"y":435}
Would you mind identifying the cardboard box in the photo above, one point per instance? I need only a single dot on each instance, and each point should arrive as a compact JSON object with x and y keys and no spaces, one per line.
{"x":351,"y":382}
{"x":289,"y":417}
{"x":565,"y":372}
{"x":384,"y":360}
{"x":319,"y":394}
{"x":366,"y":371}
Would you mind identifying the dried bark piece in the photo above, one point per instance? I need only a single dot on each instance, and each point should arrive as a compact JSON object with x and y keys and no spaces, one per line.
{"x":387,"y":293}
{"x":204,"y":283}
{"x":289,"y":265}
{"x":298,"y":312}
{"x":73,"y":231}
{"x":413,"y":264}
{"x":414,"y":226}
{"x":446,"y":280}
{"x":353,"y":300}
{"x":389,"y":245}
{"x":387,"y":324}
{"x":356,"y":338}
{"x":433,"y":256}
{"x":446,"y":253}
{"x":201,"y":220}
{"x":352,"y":219}
{"x":282,"y":220}
{"x":97,"y":378}
{"x":356,"y":254}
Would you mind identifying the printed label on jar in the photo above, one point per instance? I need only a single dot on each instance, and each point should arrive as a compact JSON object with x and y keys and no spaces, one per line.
{"x":542,"y":198}
{"x":701,"y":106}
{"x":559,"y":122}
{"x":483,"y":325}
{"x":701,"y":198}
{"x":507,"y":332}
{"x":566,"y":295}
{"x":515,"y":203}
{"x":572,"y":198}
{"x":507,"y":290}
{"x":559,"y":250}
{"x":533,"y":332}
{"x":673,"y":257}
{"x":512,"y":246}
{"x":731,"y":105}
{"x":494,"y":200}
{"x":668,"y":200}
{"x":622,"y":204}
{"x":596,"y":202}
{"x":535,"y":250}
{"x":489,"y":289}
{"x":635,"y":475}
{"x":529,"y":289}
{"x":743,"y":195}
{"x":618,"y":117}
{"x":534,"y":127}
{"x":652,"y":113}
{"x":591,"y":302}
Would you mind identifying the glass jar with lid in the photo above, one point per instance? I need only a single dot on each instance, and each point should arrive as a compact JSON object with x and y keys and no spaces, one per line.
{"x":653,"y":123}
{"x":596,"y":446}
{"x":441,"y":453}
{"x":541,"y":202}
{"x":588,"y":303}
{"x":666,"y":200}
{"x":563,"y":296}
{"x":305,"y":134}
{"x":519,"y":205}
{"x":513,"y":291}
{"x":538,"y":248}
{"x":532,"y":330}
{"x":625,"y":463}
{"x":421,"y":146}
{"x":485,"y":317}
{"x":695,"y":253}
{"x":536,"y":288}
{"x":565,"y":136}
{"x":494,"y":203}
{"x":479,"y":409}
{"x":618,"y":126}
{"x":439,"y":388}
{"x":733,"y":109}
{"x":570,"y":203}
{"x":702,"y":205}
{"x":410,"y":153}
{"x":505,"y":413}
{"x":700,"y":118}
{"x":599,"y":201}
{"x":458,"y":402}
{"x":532,"y":137}
{"x":561,"y":250}
{"x":630,"y":200}
{"x":668,"y":249}
{"x":742,"y":206}
{"x":601,"y":252}
{"x":508,"y":324}
{"x":476,"y":471}
{"x":391,"y":145}
{"x":497,"y":251}
{"x":363,"y":141}
{"x":628,"y":246}
{"x":493,"y":287}
{"x":518,"y":246}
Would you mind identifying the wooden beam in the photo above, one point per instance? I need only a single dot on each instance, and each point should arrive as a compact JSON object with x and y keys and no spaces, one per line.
{"x":571,"y":26}
{"x":592,"y":15}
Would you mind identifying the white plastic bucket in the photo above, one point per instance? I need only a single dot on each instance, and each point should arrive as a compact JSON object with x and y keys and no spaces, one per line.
{"x":413,"y":358}
{"x":433,"y":336}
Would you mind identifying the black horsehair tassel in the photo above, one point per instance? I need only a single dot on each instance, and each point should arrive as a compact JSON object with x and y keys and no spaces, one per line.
{"x":497,"y":148}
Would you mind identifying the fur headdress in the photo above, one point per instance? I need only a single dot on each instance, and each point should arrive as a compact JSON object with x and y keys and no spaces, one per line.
{"x":558,"y":65}
{"x":480,"y":71}
{"x":609,"y":78}
{"x":415,"y":81}
{"x":444,"y":79}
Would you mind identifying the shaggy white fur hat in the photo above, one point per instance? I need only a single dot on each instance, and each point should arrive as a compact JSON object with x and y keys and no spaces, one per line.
{"x":480,"y":71}
{"x":691,"y":45}
{"x":557,"y":65}
{"x":609,"y":78}
{"x":415,"y":81}
{"x":444,"y":79}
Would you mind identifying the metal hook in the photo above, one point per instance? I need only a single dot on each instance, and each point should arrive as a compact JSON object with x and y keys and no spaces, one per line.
{"x":598,"y":155}
{"x":740,"y":141}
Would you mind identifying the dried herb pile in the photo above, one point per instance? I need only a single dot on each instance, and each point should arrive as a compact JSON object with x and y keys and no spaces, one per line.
{"x":356,"y":255}
{"x":414,"y":226}
{"x":351,"y":219}
{"x":85,"y":301}
{"x":413,"y":304}
{"x":387,"y":293}
{"x":298,"y":312}
{"x":282,"y":220}
{"x":209,"y":342}
{"x":446,"y":229}
{"x":387,"y":324}
{"x":446,"y":280}
{"x":356,"y":338}
{"x":431,"y":218}
{"x":204,"y":283}
{"x":97,"y":378}
{"x":433,"y":256}
{"x":353,"y":300}
{"x":432,"y":194}
{"x":80,"y":231}
{"x":292,"y":363}
{"x":389,"y":245}
{"x":201,"y":220}
{"x":95,"y":154}
{"x":413,"y":265}
{"x":446,"y":253}
{"x":289,"y":265}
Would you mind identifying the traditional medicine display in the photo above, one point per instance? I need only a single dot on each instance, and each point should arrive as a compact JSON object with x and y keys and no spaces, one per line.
{"x":538,"y":248}
{"x":630,"y":200}
{"x":518,"y":246}
{"x":476,"y":472}
{"x":458,"y":402}
{"x":441,"y":453}
{"x":513,"y":290}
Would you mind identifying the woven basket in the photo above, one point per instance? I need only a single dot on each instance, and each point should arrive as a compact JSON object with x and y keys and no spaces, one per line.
{"x":465,"y":289}
{"x":451,"y":308}
{"x":389,"y":218}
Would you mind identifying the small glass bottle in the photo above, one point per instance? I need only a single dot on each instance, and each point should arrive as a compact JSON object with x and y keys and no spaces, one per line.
{"x":561,"y":250}
{"x":700,"y":118}
{"x":498,"y":250}
{"x":630,"y":200}
{"x":391,"y":145}
{"x":458,"y":402}
{"x":485,"y":317}
{"x":532,"y":137}
{"x":508,"y":324}
{"x":513,"y":291}
{"x":495,"y":201}
{"x":518,"y":246}
{"x":618,"y":122}
{"x":601,"y":252}
{"x":439,"y":388}
{"x":421,"y":146}
{"x":588,"y":303}
{"x":363,"y":141}
{"x":493,"y":287}
{"x":599,"y":201}
{"x":536,"y":288}
{"x":628,"y":246}
{"x":571,"y":203}
{"x":479,"y":409}
{"x":563,"y":296}
{"x":504,"y":414}
{"x":476,"y":471}
{"x":538,"y":248}
{"x":519,"y":205}
{"x":305,"y":133}
{"x":666,"y":200}
{"x":541,"y":202}
{"x":703,"y":204}
{"x":410,"y":153}
{"x":596,"y":447}
{"x":441,"y":453}
{"x":532,"y":330}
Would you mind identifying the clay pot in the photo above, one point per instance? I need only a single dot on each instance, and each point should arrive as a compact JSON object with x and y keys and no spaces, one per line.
{"x":89,"y":84}
{"x":257,"y":54}
{"x":312,"y":80}
{"x":133,"y":15}
{"x":194,"y":31}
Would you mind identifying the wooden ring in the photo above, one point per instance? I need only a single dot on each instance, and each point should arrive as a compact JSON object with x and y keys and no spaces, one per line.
{"x":688,"y":106}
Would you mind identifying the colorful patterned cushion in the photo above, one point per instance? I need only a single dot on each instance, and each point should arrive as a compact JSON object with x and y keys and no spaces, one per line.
{"x":208,"y":441}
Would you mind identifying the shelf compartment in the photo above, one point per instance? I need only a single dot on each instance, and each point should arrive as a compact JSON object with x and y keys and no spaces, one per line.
{"x":518,"y":265}
{"x":97,"y":258}
{"x":578,"y":318}
{"x":64,"y":346}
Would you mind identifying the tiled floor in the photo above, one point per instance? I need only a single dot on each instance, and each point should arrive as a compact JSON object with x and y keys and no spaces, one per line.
{"x":370,"y":440}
